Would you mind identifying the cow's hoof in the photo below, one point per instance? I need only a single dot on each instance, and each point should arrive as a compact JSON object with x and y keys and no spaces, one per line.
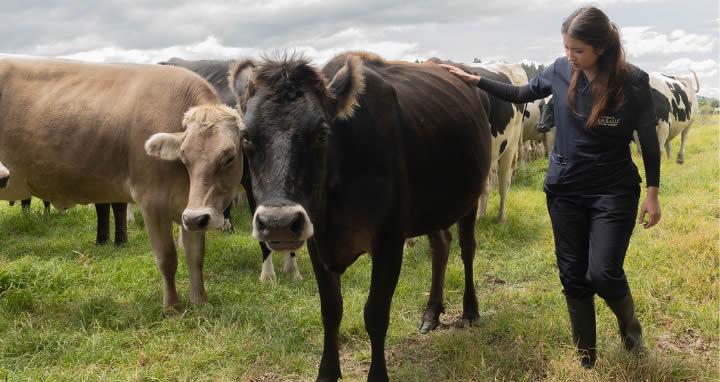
{"x":171,"y":311}
{"x":680,"y":161}
{"x":268,"y":278}
{"x":199,"y":299}
{"x":426,"y":326}
{"x":471,"y":319}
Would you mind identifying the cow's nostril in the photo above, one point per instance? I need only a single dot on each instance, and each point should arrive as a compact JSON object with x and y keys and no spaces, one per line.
{"x":298,"y":223}
{"x":260,"y":224}
{"x":203,"y":221}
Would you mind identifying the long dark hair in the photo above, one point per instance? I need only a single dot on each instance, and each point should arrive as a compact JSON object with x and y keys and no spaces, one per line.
{"x":591,"y":26}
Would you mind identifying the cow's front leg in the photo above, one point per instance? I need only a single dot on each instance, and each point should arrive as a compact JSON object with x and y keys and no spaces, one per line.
{"x":331,"y":309}
{"x":159,"y":229}
{"x":386,"y":262}
{"x":194,"y":243}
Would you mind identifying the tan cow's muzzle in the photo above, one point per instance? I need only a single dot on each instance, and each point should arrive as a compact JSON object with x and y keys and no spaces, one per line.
{"x":202,"y":219}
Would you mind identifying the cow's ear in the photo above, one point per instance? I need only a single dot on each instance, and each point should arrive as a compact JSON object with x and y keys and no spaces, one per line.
{"x":346,"y":87}
{"x":241,"y":79}
{"x":165,"y":146}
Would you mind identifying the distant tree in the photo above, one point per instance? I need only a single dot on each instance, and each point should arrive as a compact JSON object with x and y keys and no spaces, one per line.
{"x":417,"y":60}
{"x":477,"y":60}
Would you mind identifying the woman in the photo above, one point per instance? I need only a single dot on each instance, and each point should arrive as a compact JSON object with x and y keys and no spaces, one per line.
{"x":592,"y":185}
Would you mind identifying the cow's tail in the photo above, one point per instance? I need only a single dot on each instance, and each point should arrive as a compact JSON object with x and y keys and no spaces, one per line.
{"x":697,"y":82}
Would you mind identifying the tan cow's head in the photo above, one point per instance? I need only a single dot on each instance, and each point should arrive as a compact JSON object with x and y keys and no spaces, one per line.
{"x":210,"y":150}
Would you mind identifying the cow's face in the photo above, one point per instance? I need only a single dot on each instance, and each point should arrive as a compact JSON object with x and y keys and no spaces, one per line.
{"x":547,"y":117}
{"x":290,"y":113}
{"x":210,"y":150}
{"x":4,"y":176}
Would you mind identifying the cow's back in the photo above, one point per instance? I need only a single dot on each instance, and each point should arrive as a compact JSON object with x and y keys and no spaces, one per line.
{"x":76,"y":131}
{"x":441,"y":138}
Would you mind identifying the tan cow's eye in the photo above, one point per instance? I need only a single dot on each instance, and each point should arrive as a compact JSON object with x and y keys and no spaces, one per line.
{"x":228,"y":161}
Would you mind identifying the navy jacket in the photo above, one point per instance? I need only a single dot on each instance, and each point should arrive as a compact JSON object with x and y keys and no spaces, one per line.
{"x":596,"y":159}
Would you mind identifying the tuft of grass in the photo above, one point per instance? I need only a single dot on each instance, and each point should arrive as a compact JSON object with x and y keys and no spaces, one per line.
{"x":71,"y":310}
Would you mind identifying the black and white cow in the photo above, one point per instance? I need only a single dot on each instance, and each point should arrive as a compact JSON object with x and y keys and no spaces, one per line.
{"x":531,"y":134}
{"x":676,"y":103}
{"x":506,"y":129}
{"x":216,"y":73}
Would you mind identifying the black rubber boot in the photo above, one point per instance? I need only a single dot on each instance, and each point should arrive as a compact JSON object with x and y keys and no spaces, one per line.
{"x":582,"y":322}
{"x":630,"y":329}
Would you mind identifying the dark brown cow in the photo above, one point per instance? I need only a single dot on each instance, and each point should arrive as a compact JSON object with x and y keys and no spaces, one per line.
{"x":357,"y":157}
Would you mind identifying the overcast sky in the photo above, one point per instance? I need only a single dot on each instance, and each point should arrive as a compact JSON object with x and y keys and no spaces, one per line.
{"x":660,"y":35}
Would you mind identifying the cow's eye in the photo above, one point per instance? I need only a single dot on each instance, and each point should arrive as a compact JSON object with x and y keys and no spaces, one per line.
{"x":228,"y":161}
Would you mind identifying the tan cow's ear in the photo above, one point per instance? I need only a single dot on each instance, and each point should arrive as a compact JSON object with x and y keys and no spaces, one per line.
{"x":241,"y":79}
{"x":346,"y":87}
{"x":165,"y":146}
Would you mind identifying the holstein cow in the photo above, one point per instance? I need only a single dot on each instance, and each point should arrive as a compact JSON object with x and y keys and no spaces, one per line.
{"x":505,"y":127}
{"x":155,"y":135}
{"x":531,"y":133}
{"x":356,"y":157}
{"x":676,"y":103}
{"x":216,"y":73}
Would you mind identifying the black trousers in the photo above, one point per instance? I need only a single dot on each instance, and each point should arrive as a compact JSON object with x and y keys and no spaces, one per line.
{"x":592,"y":233}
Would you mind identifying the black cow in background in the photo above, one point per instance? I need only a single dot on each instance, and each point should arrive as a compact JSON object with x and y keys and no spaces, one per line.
{"x":216,"y":73}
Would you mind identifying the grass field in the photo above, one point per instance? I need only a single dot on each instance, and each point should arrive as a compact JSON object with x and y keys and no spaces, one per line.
{"x":70,"y":310}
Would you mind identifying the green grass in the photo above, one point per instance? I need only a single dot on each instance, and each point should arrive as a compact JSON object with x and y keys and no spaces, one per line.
{"x":70,"y":310}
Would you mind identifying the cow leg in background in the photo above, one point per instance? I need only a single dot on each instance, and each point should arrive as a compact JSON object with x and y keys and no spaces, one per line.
{"x":331,"y":309}
{"x":228,"y":225}
{"x":506,"y":167}
{"x":681,"y":152}
{"x":290,"y":266}
{"x":267,"y":274}
{"x":25,"y":203}
{"x":130,"y":214}
{"x":440,"y":248}
{"x":483,"y":200}
{"x":663,"y":132}
{"x":466,"y":237}
{"x":120,"y":214}
{"x":159,"y":229}
{"x":194,"y":243}
{"x":46,"y":207}
{"x":386,"y":263}
{"x":102,"y":211}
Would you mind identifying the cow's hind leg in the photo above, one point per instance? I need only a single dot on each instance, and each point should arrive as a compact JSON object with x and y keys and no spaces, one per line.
{"x":194,"y":243}
{"x":120,"y":215}
{"x":440,"y":249}
{"x":466,"y":237}
{"x":25,"y":204}
{"x":683,"y":140}
{"x":506,"y":166}
{"x":159,"y":229}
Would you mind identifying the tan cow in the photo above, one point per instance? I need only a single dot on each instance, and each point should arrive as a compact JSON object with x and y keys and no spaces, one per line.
{"x":95,"y":133}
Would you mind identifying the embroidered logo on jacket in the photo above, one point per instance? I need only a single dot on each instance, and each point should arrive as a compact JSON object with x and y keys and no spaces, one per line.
{"x":608,"y":121}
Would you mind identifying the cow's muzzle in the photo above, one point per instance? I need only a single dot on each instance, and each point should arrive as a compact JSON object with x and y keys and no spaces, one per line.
{"x":282,"y":228}
{"x":201,"y":219}
{"x":4,"y":180}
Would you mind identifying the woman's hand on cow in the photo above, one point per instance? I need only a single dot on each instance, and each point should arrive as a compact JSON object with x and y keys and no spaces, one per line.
{"x":461,"y":74}
{"x":650,"y":206}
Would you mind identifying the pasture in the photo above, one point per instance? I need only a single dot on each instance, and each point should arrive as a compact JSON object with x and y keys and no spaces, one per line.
{"x":71,"y":310}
